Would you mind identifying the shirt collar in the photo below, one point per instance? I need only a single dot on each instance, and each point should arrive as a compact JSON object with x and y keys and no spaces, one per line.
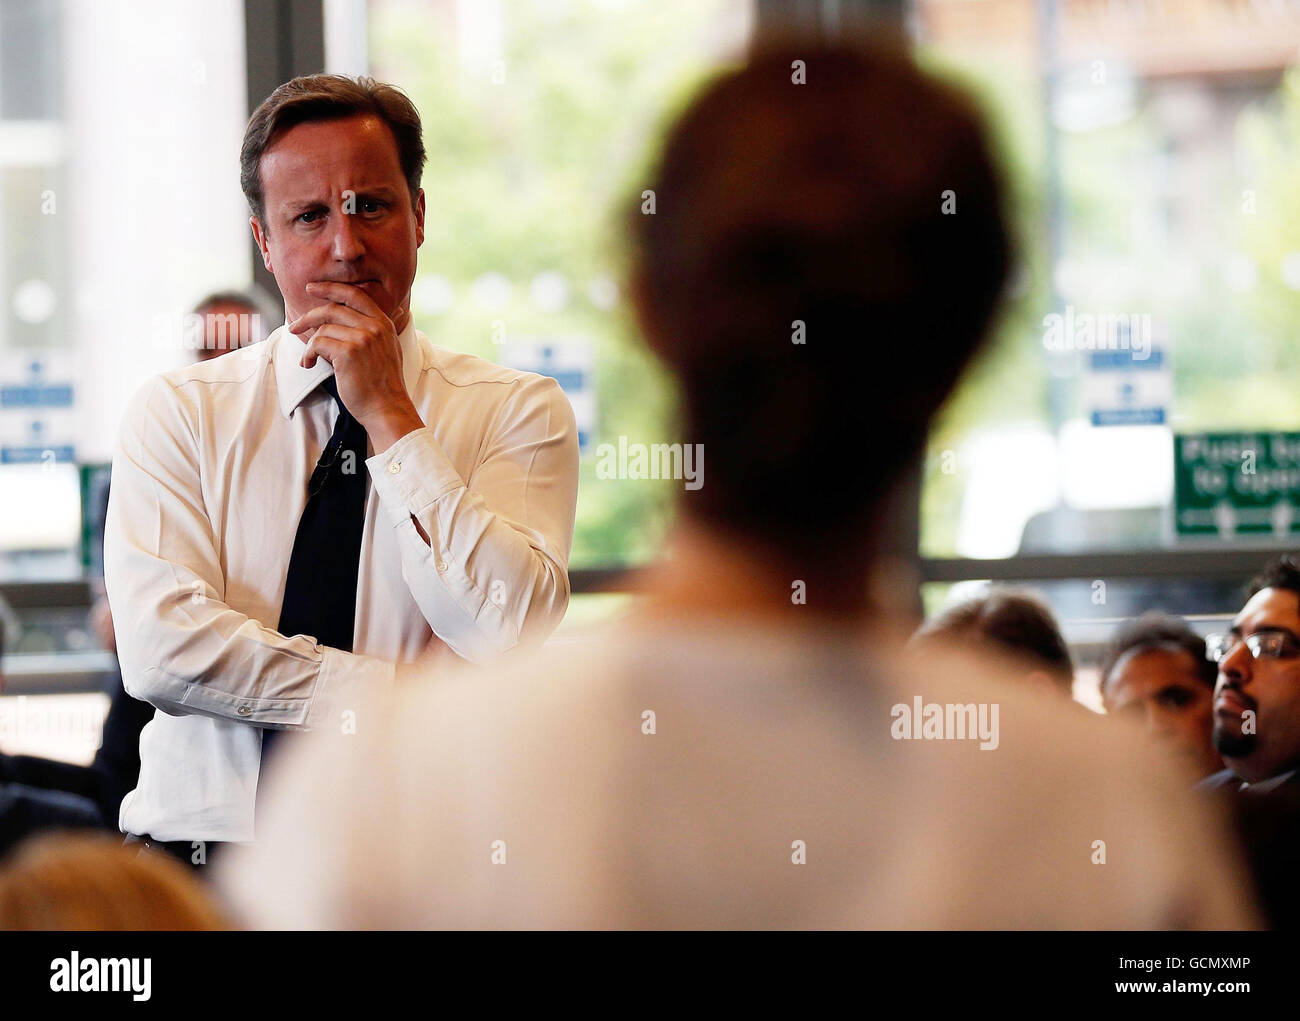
{"x":294,"y":383}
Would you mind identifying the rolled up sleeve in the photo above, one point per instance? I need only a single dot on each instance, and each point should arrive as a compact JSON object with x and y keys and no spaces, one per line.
{"x":494,"y":573}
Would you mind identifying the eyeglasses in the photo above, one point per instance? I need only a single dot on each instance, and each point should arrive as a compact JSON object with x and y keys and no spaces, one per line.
{"x":1267,"y":644}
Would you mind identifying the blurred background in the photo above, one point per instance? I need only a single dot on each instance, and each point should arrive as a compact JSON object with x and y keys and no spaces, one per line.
{"x":1131,"y":439}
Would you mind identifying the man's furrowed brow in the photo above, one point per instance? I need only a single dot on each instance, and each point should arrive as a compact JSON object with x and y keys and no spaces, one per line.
{"x":1290,"y":633}
{"x":298,"y":205}
{"x":1267,"y":625}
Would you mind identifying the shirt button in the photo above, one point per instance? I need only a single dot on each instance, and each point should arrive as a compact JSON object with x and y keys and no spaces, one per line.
{"x":442,"y":565}
{"x":245,"y":710}
{"x":394,"y":468}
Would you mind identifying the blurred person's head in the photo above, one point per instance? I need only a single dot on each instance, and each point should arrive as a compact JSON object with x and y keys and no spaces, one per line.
{"x":231,"y":320}
{"x":800,"y":278}
{"x":1257,"y":696}
{"x":1156,"y":672}
{"x":1013,"y":624}
{"x":63,"y":882}
{"x":331,"y":170}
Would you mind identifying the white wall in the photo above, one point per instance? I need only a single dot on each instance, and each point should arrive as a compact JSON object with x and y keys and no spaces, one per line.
{"x":156,"y":108}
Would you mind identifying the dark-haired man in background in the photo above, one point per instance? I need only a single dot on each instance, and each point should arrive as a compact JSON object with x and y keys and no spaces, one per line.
{"x":1156,"y":671}
{"x":233,"y":319}
{"x":1257,"y":697}
{"x":1013,"y":624}
{"x":1257,"y":731}
{"x":292,"y":520}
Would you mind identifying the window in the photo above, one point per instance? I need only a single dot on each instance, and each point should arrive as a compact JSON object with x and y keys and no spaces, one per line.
{"x":119,"y":207}
{"x":538,"y":118}
{"x":1153,"y":150}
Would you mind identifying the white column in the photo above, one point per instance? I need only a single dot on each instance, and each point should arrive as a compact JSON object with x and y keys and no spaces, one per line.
{"x":156,"y":112}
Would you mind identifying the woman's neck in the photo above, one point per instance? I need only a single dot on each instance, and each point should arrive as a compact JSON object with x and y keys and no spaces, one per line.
{"x":708,"y":574}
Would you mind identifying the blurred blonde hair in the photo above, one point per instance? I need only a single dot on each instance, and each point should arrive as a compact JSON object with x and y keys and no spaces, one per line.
{"x":87,"y":883}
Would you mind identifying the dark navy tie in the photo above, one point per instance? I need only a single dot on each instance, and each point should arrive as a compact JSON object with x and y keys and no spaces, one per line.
{"x":320,"y":591}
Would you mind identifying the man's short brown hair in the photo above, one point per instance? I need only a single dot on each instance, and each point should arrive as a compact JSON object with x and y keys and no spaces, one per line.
{"x":325,"y":97}
{"x":1155,"y":631}
{"x":1009,"y":620}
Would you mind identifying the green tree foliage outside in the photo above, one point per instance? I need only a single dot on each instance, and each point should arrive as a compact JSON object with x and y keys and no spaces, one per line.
{"x":533,"y":164}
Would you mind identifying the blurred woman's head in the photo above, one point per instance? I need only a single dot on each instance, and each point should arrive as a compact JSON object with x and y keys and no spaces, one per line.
{"x":86,"y":883}
{"x":825,"y":254}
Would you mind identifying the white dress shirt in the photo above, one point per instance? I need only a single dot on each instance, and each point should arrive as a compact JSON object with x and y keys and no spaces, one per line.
{"x":709,"y":773}
{"x":209,"y":482}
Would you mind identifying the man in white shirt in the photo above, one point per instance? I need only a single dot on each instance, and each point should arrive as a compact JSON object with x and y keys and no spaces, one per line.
{"x":745,"y":750}
{"x":237,"y":489}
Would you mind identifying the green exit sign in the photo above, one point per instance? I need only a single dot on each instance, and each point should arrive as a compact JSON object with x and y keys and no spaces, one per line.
{"x":1229,"y":484}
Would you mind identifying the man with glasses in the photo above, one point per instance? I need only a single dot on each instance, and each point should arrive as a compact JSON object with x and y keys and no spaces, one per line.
{"x":1257,"y":731}
{"x":1257,"y":696}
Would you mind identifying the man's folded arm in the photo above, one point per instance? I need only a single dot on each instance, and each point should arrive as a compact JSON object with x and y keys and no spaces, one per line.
{"x":493,"y":571}
{"x":181,"y":647}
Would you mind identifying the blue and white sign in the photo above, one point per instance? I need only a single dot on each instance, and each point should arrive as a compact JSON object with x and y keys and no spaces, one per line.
{"x":37,"y":413}
{"x":571,"y":364}
{"x":1128,"y":385}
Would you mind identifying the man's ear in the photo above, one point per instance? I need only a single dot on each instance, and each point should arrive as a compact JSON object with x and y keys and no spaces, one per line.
{"x":260,"y":237}
{"x":1045,"y":681}
{"x":419,"y":218}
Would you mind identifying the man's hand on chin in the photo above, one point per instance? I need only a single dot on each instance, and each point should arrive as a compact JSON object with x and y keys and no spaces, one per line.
{"x":354,"y":335}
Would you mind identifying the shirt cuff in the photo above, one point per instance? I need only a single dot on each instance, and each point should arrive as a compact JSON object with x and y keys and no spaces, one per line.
{"x":349,"y":684}
{"x":411,"y":474}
